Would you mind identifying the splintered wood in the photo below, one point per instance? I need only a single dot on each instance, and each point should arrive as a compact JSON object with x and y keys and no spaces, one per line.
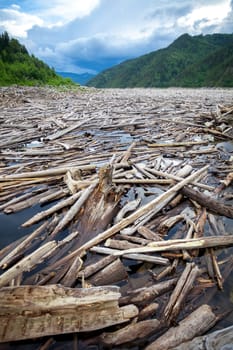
{"x":126,"y":221}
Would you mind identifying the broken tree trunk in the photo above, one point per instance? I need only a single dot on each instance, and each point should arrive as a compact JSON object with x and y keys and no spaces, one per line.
{"x":28,"y":312}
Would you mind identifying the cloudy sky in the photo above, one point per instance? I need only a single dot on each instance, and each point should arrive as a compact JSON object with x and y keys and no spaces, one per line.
{"x":90,"y":35}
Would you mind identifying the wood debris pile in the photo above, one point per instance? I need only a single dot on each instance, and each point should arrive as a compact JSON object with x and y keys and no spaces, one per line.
{"x":131,"y":234}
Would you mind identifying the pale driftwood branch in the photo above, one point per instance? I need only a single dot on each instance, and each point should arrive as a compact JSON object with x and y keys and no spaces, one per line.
{"x":184,"y":285}
{"x":141,"y":257}
{"x":27,"y":263}
{"x":43,"y":214}
{"x":44,"y":173}
{"x":21,"y":246}
{"x":74,"y":209}
{"x":176,"y":244}
{"x":197,"y":323}
{"x":62,"y":132}
{"x":28,"y":312}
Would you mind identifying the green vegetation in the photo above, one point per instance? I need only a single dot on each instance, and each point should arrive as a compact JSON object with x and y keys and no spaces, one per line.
{"x":196,"y":61}
{"x":18,"y":67}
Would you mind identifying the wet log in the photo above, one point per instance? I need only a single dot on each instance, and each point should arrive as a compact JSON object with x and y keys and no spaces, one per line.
{"x":43,"y":214}
{"x":33,"y":259}
{"x":95,"y":267}
{"x":208,"y":202}
{"x":28,"y":312}
{"x":144,"y":295}
{"x":19,"y":249}
{"x":197,"y":323}
{"x":110,"y":274}
{"x":218,"y":340}
{"x":72,"y":212}
{"x":130,"y":333}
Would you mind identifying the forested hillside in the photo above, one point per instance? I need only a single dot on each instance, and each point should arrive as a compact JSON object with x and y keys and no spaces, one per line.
{"x":189,"y":61}
{"x":18,"y":67}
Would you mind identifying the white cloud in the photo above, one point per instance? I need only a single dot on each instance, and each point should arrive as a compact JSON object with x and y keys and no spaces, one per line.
{"x":59,"y":12}
{"x":205,"y":16}
{"x":17,"y":23}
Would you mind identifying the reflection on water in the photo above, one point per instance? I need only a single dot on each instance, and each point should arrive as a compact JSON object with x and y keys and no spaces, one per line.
{"x":11,"y":229}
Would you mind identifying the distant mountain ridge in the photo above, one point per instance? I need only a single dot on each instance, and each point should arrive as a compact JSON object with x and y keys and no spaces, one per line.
{"x":190,"y":61}
{"x":81,"y":79}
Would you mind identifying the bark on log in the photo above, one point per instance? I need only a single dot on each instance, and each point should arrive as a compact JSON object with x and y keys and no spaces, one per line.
{"x":28,"y":312}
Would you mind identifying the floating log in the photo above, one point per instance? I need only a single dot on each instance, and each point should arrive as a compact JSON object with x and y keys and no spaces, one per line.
{"x":28,"y":312}
{"x":176,"y":244}
{"x":197,"y":323}
{"x":208,"y":202}
{"x":132,"y":332}
{"x":218,"y":340}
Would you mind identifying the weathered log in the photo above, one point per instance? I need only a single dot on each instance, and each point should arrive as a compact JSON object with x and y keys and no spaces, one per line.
{"x":132,"y":332}
{"x":142,"y":296}
{"x":43,"y":214}
{"x":183,"y":287}
{"x":5,"y":262}
{"x":33,"y":259}
{"x":149,"y":234}
{"x":197,"y":323}
{"x":110,"y":274}
{"x":28,"y":312}
{"x":148,"y":311}
{"x":208,"y":202}
{"x":95,"y":267}
{"x":141,"y":257}
{"x":72,"y":212}
{"x":176,"y":244}
{"x":218,"y":340}
{"x":27,"y":263}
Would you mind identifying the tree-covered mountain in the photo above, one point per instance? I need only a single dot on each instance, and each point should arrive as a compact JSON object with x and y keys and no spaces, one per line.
{"x":18,"y":67}
{"x":81,"y":79}
{"x":190,"y":61}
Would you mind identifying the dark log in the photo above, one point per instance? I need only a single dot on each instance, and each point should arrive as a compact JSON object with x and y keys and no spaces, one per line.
{"x":208,"y":202}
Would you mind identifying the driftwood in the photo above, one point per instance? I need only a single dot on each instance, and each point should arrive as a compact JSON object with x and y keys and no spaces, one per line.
{"x":32,"y":311}
{"x":197,"y":323}
{"x":116,"y":164}
{"x":183,"y":287}
{"x":170,"y":245}
{"x":131,"y":332}
{"x":208,"y":202}
{"x":222,"y":339}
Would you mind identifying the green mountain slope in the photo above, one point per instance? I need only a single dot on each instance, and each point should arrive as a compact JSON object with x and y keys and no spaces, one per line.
{"x":18,"y":67}
{"x":188,"y":61}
